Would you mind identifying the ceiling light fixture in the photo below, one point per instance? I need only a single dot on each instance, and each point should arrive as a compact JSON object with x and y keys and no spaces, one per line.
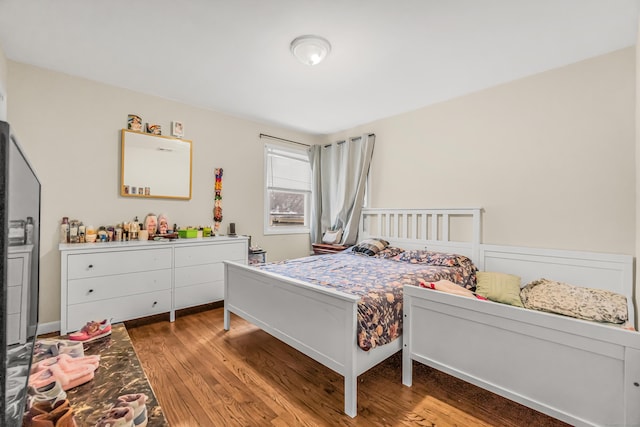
{"x":310,"y":50}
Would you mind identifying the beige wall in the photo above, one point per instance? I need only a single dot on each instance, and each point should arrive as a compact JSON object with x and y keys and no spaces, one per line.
{"x":70,"y":130}
{"x":550,"y":157}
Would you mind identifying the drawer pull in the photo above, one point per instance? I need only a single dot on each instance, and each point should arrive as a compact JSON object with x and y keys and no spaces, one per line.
{"x":90,"y":266}
{"x":154,"y":303}
{"x":90,"y":290}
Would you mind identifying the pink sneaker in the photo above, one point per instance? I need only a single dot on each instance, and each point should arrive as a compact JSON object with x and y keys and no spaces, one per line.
{"x":92,"y":331}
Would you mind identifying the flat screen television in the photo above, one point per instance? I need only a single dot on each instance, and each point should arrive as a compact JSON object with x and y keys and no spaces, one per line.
{"x":19,"y":272}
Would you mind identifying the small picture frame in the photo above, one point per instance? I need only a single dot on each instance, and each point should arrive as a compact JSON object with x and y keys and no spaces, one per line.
{"x":177,"y":129}
{"x":154,"y":129}
{"x":134,"y":122}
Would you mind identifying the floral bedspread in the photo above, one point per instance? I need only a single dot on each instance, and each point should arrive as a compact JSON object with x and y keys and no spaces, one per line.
{"x":377,"y":281}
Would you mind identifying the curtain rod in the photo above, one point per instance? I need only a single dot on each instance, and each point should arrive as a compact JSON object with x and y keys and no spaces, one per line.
{"x":264,"y":135}
{"x":352,"y":139}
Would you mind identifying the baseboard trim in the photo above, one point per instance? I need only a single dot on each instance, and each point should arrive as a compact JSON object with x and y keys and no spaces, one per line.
{"x":47,"y":328}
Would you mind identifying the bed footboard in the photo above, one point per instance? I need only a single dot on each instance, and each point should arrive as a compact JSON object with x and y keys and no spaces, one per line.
{"x":580,"y":372}
{"x":316,"y":321}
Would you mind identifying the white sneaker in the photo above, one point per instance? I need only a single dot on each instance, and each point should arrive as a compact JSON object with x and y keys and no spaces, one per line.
{"x":137,"y":403}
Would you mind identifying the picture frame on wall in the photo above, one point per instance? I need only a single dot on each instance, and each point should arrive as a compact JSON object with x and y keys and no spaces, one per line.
{"x":177,"y":129}
{"x":154,"y":129}
{"x":134,"y":122}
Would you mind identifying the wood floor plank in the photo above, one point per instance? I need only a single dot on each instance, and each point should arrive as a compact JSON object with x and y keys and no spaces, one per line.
{"x":205,"y":376}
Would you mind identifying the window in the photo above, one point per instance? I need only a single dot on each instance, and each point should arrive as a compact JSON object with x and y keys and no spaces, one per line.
{"x":287,"y":190}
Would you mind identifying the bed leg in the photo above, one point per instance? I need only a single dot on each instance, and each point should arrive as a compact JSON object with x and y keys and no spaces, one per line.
{"x":351,"y":395}
{"x":227,"y":319}
{"x":407,"y":363}
{"x":407,"y":366}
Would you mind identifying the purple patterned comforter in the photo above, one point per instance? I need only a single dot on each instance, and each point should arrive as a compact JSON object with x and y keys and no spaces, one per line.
{"x":377,"y":281}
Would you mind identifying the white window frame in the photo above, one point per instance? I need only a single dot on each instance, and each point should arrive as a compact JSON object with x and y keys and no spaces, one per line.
{"x":307,"y":208}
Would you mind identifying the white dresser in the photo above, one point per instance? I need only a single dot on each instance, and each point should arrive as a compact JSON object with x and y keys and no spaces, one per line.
{"x":127,"y":280}
{"x":18,"y":278}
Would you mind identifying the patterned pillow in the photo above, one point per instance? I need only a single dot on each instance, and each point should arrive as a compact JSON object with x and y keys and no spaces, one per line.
{"x":434,"y":258}
{"x":575,"y":301}
{"x":370,"y":247}
{"x":389,"y":252}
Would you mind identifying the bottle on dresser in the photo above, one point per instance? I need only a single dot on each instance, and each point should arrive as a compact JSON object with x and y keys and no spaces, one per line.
{"x":74,"y":236}
{"x":82,"y":231}
{"x":64,"y":230}
{"x":134,"y":228}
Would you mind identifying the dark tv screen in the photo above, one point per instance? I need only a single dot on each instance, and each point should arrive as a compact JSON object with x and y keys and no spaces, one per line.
{"x":20,"y":217}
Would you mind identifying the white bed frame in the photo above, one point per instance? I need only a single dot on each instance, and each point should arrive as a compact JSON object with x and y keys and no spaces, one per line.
{"x":322,"y":323}
{"x":577,"y":371}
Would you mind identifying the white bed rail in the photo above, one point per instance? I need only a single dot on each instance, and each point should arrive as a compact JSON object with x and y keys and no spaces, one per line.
{"x":457,"y":229}
{"x":613,"y":272}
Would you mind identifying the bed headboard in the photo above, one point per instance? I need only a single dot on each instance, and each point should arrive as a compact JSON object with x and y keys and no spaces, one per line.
{"x":588,"y":269}
{"x":455,"y":230}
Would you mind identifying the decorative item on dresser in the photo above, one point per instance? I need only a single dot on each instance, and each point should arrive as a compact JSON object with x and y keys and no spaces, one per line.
{"x":127,"y":280}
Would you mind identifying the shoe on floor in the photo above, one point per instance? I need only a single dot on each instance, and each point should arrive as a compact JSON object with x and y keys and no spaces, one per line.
{"x":66,"y":362}
{"x":92,"y":331}
{"x":41,"y":408}
{"x":51,"y":393}
{"x":117,"y":417}
{"x":60,"y":416}
{"x":137,"y":402}
{"x":68,"y":379}
{"x":51,"y":347}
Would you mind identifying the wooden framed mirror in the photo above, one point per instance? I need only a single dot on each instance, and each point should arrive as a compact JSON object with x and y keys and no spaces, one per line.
{"x":155,"y":166}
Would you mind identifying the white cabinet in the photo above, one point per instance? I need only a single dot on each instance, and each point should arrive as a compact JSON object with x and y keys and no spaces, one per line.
{"x":199,"y":271}
{"x":18,"y":278}
{"x":127,"y":280}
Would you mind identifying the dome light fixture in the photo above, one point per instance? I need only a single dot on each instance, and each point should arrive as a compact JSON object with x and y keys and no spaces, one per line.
{"x":310,"y":50}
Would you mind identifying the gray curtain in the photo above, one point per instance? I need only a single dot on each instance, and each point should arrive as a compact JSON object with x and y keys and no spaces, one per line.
{"x":338,"y":177}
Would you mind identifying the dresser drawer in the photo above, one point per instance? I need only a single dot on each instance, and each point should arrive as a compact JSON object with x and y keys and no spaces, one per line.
{"x":14,"y":300}
{"x":110,"y":263}
{"x":118,"y":309}
{"x":207,"y":254}
{"x":15,"y":271}
{"x":187,"y":276}
{"x":13,"y":328}
{"x":116,"y":286}
{"x":199,"y":294}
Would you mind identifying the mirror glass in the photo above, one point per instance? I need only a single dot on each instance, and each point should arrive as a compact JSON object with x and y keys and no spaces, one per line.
{"x":155,"y":166}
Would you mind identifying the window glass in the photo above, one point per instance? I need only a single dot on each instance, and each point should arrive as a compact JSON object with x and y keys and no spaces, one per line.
{"x":288,"y":189}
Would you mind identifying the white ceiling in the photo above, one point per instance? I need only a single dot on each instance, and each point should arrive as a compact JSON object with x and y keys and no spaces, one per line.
{"x":388,"y":57}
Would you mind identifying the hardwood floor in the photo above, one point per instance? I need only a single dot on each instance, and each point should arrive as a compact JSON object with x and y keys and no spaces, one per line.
{"x":204,"y":376}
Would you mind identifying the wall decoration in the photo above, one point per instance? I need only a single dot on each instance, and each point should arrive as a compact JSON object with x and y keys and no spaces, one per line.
{"x":134,"y":122}
{"x":217,"y":203}
{"x":154,"y":129}
{"x":177,"y":129}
